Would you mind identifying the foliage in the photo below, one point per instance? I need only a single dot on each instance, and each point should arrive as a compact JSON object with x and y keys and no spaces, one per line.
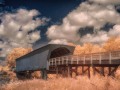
{"x":79,"y":83}
{"x":16,"y":53}
{"x":113,"y":44}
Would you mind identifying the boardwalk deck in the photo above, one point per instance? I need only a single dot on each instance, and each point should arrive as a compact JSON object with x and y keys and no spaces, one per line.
{"x":112,"y":58}
{"x":102,"y":60}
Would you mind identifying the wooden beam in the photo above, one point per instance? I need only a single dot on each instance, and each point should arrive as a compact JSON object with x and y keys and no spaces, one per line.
{"x":82,"y":70}
{"x":57,"y":71}
{"x":64,"y":71}
{"x":85,"y":70}
{"x":111,"y":71}
{"x":88,"y":71}
{"x":102,"y":71}
{"x":97,"y":70}
{"x":93,"y":70}
{"x":69,"y":71}
{"x":76,"y":69}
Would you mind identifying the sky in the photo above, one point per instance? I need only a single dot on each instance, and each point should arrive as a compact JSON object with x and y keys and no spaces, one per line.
{"x":55,"y":10}
{"x":32,"y":23}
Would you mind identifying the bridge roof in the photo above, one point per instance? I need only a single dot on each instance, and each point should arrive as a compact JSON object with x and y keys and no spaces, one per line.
{"x":51,"y":47}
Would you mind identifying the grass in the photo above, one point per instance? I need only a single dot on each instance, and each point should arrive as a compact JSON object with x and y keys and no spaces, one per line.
{"x":79,"y":83}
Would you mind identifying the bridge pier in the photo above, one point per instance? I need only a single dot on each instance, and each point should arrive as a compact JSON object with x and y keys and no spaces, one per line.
{"x":67,"y":70}
{"x":110,"y":69}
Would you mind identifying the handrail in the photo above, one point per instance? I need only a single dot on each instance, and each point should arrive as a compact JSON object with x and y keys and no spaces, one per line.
{"x":87,"y":57}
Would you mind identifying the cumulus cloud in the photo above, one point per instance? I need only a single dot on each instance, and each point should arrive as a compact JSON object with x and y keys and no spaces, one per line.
{"x":98,"y":38}
{"x":106,"y":1}
{"x":101,"y":36}
{"x":86,"y":15}
{"x":19,"y":29}
{"x":59,"y":41}
{"x":115,"y":31}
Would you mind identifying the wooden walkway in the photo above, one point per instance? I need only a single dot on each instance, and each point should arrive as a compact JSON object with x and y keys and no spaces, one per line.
{"x":110,"y":60}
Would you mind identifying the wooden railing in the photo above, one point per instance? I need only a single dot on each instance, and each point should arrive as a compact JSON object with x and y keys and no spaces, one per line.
{"x":94,"y":58}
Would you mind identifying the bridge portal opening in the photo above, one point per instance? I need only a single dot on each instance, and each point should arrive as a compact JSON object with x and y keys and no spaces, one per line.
{"x":59,"y":52}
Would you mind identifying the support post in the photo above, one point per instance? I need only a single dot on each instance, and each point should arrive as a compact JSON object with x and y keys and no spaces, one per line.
{"x":57,"y":71}
{"x":88,"y":71}
{"x":110,"y":58}
{"x":84,"y":60}
{"x":100,"y":59}
{"x":77,"y":60}
{"x":102,"y":71}
{"x":69,"y":71}
{"x":91,"y":59}
{"x":82,"y":70}
{"x":44,"y":73}
{"x":109,"y":69}
{"x":76,"y":68}
{"x":63,"y":71}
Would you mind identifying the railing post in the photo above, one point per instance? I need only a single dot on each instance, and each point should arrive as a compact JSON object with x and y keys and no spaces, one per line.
{"x":66,"y":60}
{"x":110,"y":58}
{"x":84,"y":59}
{"x":72,"y":61}
{"x":58,"y":60}
{"x":69,"y":71}
{"x":55,"y":61}
{"x":62,"y":60}
{"x":77,"y":60}
{"x":51,"y":61}
{"x":100,"y":58}
{"x":91,"y":59}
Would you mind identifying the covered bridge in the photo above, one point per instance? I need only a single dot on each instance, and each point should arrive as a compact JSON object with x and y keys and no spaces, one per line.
{"x":39,"y":58}
{"x":54,"y":58}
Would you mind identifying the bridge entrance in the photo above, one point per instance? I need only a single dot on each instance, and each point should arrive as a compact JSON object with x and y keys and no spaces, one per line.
{"x":62,"y":51}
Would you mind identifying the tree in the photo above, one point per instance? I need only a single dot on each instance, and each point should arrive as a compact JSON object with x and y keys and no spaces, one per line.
{"x":16,"y":53}
{"x":112,"y":44}
{"x":88,"y":47}
{"x":78,"y":50}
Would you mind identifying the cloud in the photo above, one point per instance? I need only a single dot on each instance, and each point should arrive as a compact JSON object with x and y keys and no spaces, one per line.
{"x":34,"y":36}
{"x":115,"y":31}
{"x":19,"y":29}
{"x":57,"y":41}
{"x":98,"y":38}
{"x":85,"y":15}
{"x":101,"y":36}
{"x":106,"y":1}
